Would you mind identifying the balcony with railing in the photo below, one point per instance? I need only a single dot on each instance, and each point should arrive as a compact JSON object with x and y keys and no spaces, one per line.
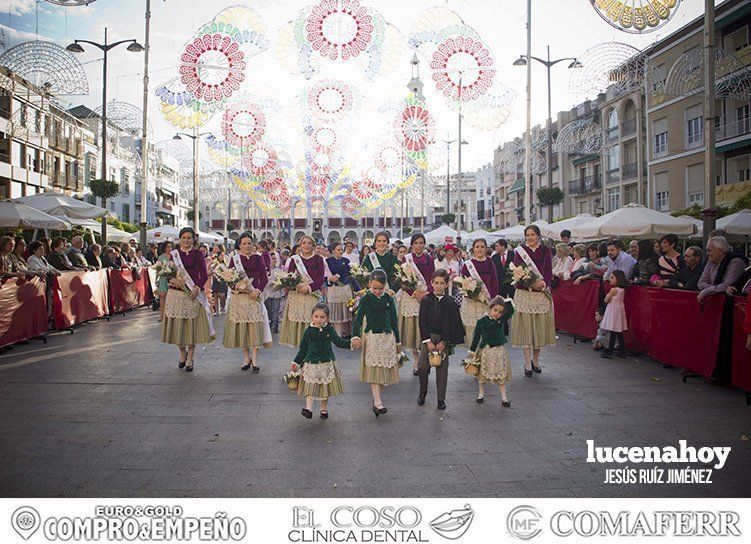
{"x":733,"y":129}
{"x":611,"y":134}
{"x":630,"y":170}
{"x":612,"y":176}
{"x":628,"y":127}
{"x":585,"y":185}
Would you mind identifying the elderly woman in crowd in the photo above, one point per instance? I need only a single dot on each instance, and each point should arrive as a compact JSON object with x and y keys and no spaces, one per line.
{"x":564,"y":263}
{"x":593,"y":267}
{"x":7,"y":266}
{"x":37,"y":260}
{"x":111,"y":259}
{"x":17,"y":257}
{"x":579,"y":266}
{"x":93,"y":254}
{"x":58,"y":258}
{"x":646,"y":269}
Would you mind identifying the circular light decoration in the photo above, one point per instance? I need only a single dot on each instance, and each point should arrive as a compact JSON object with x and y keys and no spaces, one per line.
{"x":331,"y":100}
{"x":636,"y":16}
{"x":317,"y":185}
{"x":462,"y":68}
{"x":415,"y":128}
{"x":261,"y":160}
{"x":221,"y":153}
{"x":48,"y":66}
{"x":363,"y":189}
{"x":339,"y":28}
{"x":124,"y":115}
{"x":388,"y":158}
{"x":243,"y":124}
{"x":211,"y":67}
{"x":70,"y":3}
{"x":579,"y":137}
{"x":324,"y":139}
{"x":608,"y":64}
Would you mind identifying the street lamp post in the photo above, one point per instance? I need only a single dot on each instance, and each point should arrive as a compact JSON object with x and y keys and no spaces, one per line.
{"x":133,"y":47}
{"x":195,"y":136}
{"x":522,"y":61}
{"x":145,"y":130}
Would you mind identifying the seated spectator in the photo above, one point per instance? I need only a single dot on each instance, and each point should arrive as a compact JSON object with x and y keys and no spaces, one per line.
{"x":723,"y":270}
{"x":564,"y":263}
{"x":579,"y":268}
{"x":111,"y":259}
{"x":594,"y":267}
{"x":19,"y":261}
{"x":38,"y":262}
{"x":646,"y":269}
{"x":688,"y":276}
{"x":139,"y":258}
{"x":58,"y":258}
{"x":670,"y":261}
{"x":7,"y":266}
{"x":618,"y":259}
{"x":125,"y":249}
{"x":75,"y":253}
{"x":633,"y":249}
{"x":93,"y":256}
{"x":152,"y":254}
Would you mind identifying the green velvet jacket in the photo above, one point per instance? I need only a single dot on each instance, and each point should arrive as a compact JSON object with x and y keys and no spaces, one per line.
{"x":315,"y":346}
{"x":379,"y":315}
{"x":489,"y":332}
{"x":388,"y":262}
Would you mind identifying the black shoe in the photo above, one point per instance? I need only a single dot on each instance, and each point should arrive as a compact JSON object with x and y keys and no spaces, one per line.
{"x":256,"y":369}
{"x":415,"y":372}
{"x":379,"y":411}
{"x":537,"y":369}
{"x":421,"y":399}
{"x":506,"y":403}
{"x":189,"y":367}
{"x":441,"y":405}
{"x":480,"y":400}
{"x":181,"y":364}
{"x":606,"y":355}
{"x":245,"y":367}
{"x":324,"y":414}
{"x":307,"y":414}
{"x":528,"y":373}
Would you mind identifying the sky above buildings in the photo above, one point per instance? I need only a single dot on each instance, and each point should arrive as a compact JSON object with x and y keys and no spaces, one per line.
{"x":569,"y":27}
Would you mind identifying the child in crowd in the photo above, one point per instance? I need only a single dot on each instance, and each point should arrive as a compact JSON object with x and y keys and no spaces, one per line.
{"x":614,"y":320}
{"x":440,"y":328}
{"x":274,"y":298}
{"x":376,"y":330}
{"x":490,"y":340}
{"x":602,"y":334}
{"x":319,"y":375}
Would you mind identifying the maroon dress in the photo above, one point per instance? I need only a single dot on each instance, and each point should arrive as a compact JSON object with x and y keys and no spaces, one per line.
{"x":426,"y":265}
{"x":195,"y":265}
{"x":255,"y":269}
{"x":316,"y":268}
{"x":487,"y":272}
{"x":542,"y":259}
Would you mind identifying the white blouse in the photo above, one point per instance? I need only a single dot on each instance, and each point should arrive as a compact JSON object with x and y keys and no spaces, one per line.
{"x":563,"y":267}
{"x":40,"y":263}
{"x":579,"y":264}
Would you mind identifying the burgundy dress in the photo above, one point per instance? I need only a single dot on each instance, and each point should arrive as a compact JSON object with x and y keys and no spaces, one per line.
{"x":426,"y":265}
{"x":534,"y":325}
{"x":315,"y":266}
{"x":255,"y":269}
{"x":487,"y":272}
{"x":195,"y":265}
{"x":542,"y":259}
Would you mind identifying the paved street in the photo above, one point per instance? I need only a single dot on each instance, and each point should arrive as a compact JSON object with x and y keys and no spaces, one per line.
{"x":106,"y":412}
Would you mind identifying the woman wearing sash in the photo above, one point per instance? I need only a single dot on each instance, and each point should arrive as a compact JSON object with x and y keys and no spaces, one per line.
{"x":247,"y":324}
{"x":409,"y":301}
{"x":481,"y":269}
{"x":339,"y":291}
{"x":301,"y":301}
{"x":534,"y":325}
{"x":187,"y":317}
{"x":384,"y":259}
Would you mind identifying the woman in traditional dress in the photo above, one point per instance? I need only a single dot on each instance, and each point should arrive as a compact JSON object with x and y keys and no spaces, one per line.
{"x":385,"y":260}
{"x":162,"y":286}
{"x":534,"y":325}
{"x":339,"y":291}
{"x":409,"y":300}
{"x":300,"y":302}
{"x":481,"y":269}
{"x":187,"y":317}
{"x":218,"y":287}
{"x":453,"y":265}
{"x":247,"y":324}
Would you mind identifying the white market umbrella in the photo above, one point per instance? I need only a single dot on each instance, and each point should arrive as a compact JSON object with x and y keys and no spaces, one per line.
{"x":736,"y":224}
{"x":441,"y":235}
{"x":172,"y":233}
{"x":553,"y":230}
{"x":697,"y":222}
{"x":516,"y":233}
{"x":58,"y":204}
{"x":113,"y":234}
{"x":634,"y":221}
{"x":475,"y":234}
{"x":16,"y":215}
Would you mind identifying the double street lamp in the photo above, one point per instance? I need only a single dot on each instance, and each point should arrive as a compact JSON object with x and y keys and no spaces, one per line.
{"x":522,"y":61}
{"x":133,"y":47}
{"x":195,"y":136}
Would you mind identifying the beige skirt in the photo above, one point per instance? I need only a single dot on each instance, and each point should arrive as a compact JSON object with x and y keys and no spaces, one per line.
{"x":408,"y":321}
{"x":185,"y":321}
{"x":494,"y":366}
{"x":297,"y":313}
{"x":337,"y":297}
{"x":379,"y":358}
{"x":244,"y":325}
{"x":320,"y":380}
{"x":533,"y":321}
{"x":471,"y":312}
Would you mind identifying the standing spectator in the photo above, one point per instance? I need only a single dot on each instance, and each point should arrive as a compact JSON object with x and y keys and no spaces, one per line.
{"x":351,"y":253}
{"x":688,"y":277}
{"x":633,"y":249}
{"x":565,"y":237}
{"x":594,"y":267}
{"x":273,"y":298}
{"x":670,"y":262}
{"x":724,"y":268}
{"x":564,"y":264}
{"x":93,"y":258}
{"x":646,"y":269}
{"x":218,"y":287}
{"x":618,"y":259}
{"x":502,"y":259}
{"x":364,"y":252}
{"x":579,"y":267}
{"x":58,"y":258}
{"x":75,"y":253}
{"x":162,"y":285}
{"x":614,"y":320}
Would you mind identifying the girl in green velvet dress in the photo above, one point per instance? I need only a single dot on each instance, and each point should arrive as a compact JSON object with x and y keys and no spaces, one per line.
{"x":490,"y":340}
{"x":319,"y":375}
{"x":376,"y":329}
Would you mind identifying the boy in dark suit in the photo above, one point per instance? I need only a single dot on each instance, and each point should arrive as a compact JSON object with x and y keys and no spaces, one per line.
{"x":502,"y":259}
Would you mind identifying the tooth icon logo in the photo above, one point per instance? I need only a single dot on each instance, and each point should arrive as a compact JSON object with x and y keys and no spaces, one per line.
{"x":25,"y":521}
{"x":452,"y":525}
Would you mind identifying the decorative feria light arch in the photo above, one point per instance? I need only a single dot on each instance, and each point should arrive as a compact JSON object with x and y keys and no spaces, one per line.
{"x":609,"y":64}
{"x":69,"y":3}
{"x":48,"y":66}
{"x":686,"y":76}
{"x":339,"y":31}
{"x":124,"y":115}
{"x":580,"y":137}
{"x":636,"y":16}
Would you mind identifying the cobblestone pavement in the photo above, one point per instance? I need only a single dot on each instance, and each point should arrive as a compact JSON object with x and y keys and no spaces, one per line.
{"x":106,"y":412}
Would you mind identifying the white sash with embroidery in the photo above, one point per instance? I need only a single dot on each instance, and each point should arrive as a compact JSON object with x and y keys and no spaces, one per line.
{"x":201,"y":297}
{"x":421,"y":282}
{"x":374,"y":260}
{"x":528,"y":260}
{"x":301,"y":268}
{"x":476,"y":276}
{"x":267,"y":338}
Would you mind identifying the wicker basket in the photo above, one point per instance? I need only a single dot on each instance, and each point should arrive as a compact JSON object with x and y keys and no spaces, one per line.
{"x":472,"y":370}
{"x":435,"y":358}
{"x":294,"y":384}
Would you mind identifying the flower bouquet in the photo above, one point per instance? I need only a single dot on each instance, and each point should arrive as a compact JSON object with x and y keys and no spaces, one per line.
{"x":471,"y":366}
{"x":292,"y":379}
{"x":360,"y":274}
{"x":471,"y":288}
{"x":435,"y":357}
{"x":168,"y":270}
{"x":235,"y":279}
{"x":287,"y":280}
{"x":401,"y":359}
{"x":522,"y":276}
{"x":354,"y":303}
{"x":406,"y":276}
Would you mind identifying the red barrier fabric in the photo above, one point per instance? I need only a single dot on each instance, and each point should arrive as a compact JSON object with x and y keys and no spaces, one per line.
{"x":129,"y":290}
{"x":23,"y":309}
{"x":672,"y":327}
{"x":741,"y":360}
{"x":79,"y":297}
{"x":575,"y":307}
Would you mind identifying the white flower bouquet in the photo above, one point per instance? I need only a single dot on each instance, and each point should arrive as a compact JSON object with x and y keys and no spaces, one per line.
{"x":234,"y":278}
{"x":168,"y":270}
{"x":522,"y":276}
{"x":360,"y":274}
{"x":292,"y":379}
{"x":408,"y":279}
{"x":471,"y":288}
{"x":287,"y":280}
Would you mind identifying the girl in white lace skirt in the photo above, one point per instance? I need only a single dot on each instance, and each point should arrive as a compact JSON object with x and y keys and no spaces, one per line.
{"x":489,"y":338}
{"x":319,"y":375}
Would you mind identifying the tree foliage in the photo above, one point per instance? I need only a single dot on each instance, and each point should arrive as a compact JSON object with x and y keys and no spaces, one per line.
{"x":103,"y":188}
{"x":550,"y":196}
{"x":448,"y":218}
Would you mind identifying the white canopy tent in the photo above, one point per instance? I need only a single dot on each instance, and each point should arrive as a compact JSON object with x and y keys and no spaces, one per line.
{"x":475,"y":234}
{"x":698,"y":223}
{"x":553,"y":230}
{"x":442,"y":235}
{"x":170,"y":232}
{"x":736,"y":224}
{"x":15,"y":215}
{"x":516,"y":233}
{"x":633,"y":221}
{"x":60,"y":205}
